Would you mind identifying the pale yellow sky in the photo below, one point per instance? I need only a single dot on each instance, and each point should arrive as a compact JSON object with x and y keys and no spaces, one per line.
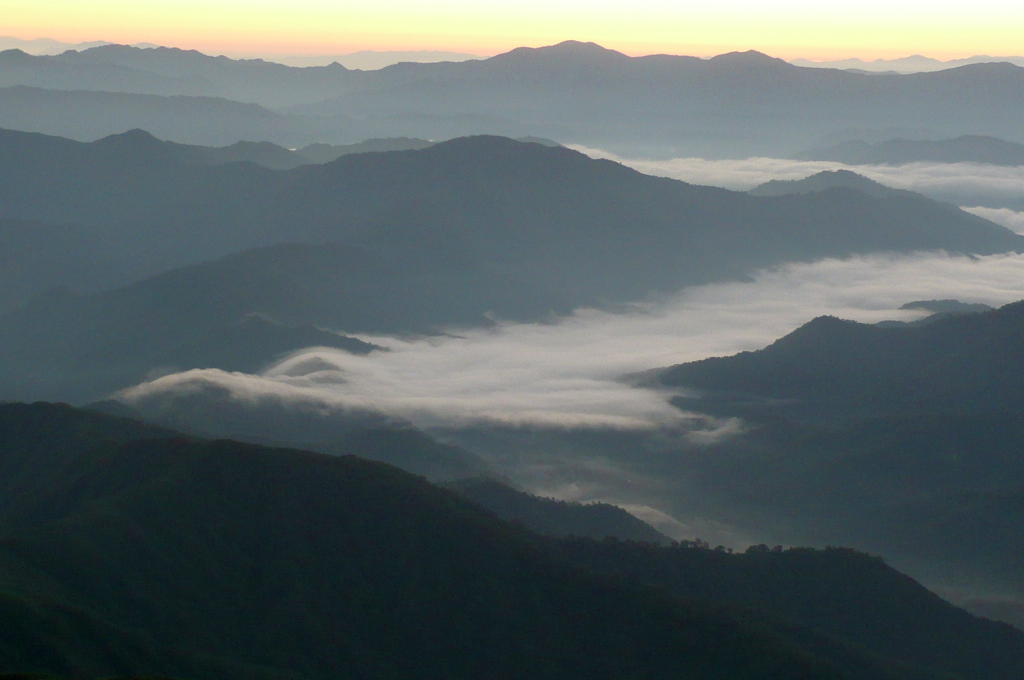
{"x":787,"y":28}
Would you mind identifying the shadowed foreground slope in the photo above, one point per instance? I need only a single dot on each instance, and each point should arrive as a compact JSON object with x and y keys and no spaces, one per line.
{"x":228,"y":560}
{"x":217,"y":559}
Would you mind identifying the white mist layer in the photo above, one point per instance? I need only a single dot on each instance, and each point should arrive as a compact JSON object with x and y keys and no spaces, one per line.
{"x":1012,"y":220}
{"x":567,"y":373}
{"x":988,"y":184}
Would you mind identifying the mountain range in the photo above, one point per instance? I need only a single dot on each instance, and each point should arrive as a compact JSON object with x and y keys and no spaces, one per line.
{"x":733,"y":104}
{"x":913,"y":64}
{"x":131,"y":549}
{"x":408,"y":241}
{"x":363,"y":59}
{"x":902,"y":439}
{"x":201,"y":219}
{"x":195,"y":120}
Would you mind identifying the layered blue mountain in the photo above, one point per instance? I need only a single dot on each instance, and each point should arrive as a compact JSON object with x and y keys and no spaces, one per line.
{"x":409,"y":241}
{"x":737,"y":104}
{"x":213,"y":121}
{"x":828,"y":179}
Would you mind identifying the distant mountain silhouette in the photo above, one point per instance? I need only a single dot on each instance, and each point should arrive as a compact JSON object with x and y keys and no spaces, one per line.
{"x":939,"y":309}
{"x":737,"y":104}
{"x":155,"y":553}
{"x":45,"y":45}
{"x":325,"y":153}
{"x":968,"y":149}
{"x":171,"y":71}
{"x":405,"y":241}
{"x":948,"y":306}
{"x":261,"y":153}
{"x":552,"y":517}
{"x":829,"y":179}
{"x":915,"y":63}
{"x":87,"y":116}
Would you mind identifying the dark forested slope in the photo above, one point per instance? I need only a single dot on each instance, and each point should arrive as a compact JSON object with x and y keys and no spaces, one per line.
{"x":901,"y":439}
{"x":827,"y":589}
{"x":841,"y":369}
{"x":552,"y":517}
{"x":216,"y":559}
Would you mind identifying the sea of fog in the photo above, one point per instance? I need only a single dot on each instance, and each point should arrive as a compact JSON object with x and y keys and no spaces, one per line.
{"x":568,"y":372}
{"x":991,"y":191}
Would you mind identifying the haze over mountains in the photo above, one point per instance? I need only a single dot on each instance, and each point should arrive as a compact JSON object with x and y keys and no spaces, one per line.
{"x":389,"y":374}
{"x":968,"y":149}
{"x":913,"y":64}
{"x":741,"y":103}
{"x":363,"y":59}
{"x":414,"y":241}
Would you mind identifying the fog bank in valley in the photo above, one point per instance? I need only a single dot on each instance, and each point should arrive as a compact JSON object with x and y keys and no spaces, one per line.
{"x":967,"y":184}
{"x":1011,"y":219}
{"x":568,"y":372}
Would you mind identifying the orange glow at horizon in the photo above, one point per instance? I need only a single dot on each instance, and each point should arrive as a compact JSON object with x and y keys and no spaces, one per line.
{"x":788,"y":28}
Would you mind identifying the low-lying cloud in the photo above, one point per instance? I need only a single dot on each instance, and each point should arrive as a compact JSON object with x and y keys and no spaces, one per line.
{"x":970,"y":184}
{"x":567,"y":373}
{"x":1011,"y":219}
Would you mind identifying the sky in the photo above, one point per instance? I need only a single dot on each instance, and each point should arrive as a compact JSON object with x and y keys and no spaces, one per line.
{"x":788,"y":29}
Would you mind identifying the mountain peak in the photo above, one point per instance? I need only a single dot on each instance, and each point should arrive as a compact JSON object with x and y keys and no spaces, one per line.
{"x":750,"y":58}
{"x":567,"y":51}
{"x":578,"y":47}
{"x":825,"y":180}
{"x":133,"y":136}
{"x":136,"y":144}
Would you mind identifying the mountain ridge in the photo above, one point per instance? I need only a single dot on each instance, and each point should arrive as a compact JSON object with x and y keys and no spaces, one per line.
{"x":734,"y":105}
{"x":451,"y":235}
{"x":276,"y":563}
{"x":117,"y":537}
{"x":901,"y":370}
